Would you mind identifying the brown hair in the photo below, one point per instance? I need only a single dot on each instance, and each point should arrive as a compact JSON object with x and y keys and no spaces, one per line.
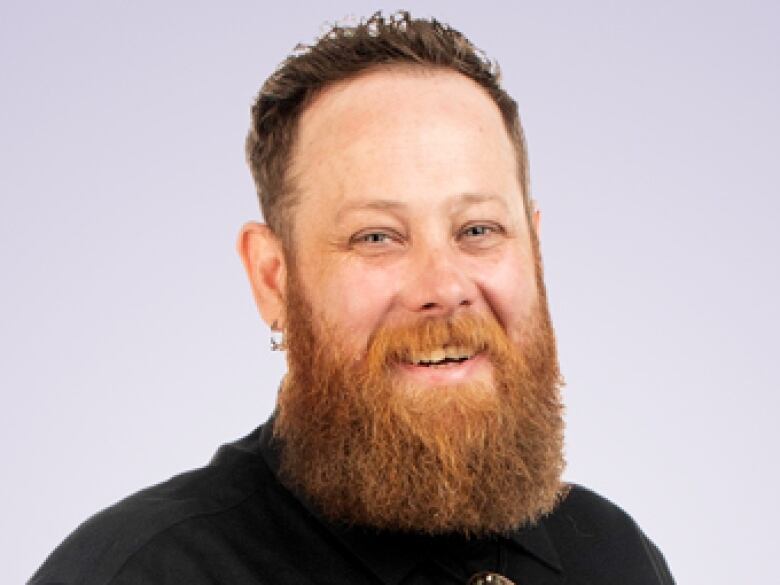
{"x":342,"y":53}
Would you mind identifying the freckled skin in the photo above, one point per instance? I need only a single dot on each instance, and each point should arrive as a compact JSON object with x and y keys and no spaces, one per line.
{"x":418,"y":140}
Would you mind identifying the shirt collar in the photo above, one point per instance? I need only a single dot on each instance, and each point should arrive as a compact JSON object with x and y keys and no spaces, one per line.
{"x":536,"y":541}
{"x":392,"y":556}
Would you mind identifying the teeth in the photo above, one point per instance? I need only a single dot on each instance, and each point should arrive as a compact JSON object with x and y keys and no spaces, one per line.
{"x":438,"y":355}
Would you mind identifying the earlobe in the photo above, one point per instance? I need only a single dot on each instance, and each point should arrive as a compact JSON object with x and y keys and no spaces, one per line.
{"x":262,"y":254}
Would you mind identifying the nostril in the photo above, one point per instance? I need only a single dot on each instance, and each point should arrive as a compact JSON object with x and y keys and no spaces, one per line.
{"x":433,"y":305}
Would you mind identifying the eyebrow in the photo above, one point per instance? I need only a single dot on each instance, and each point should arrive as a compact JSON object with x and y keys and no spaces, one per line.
{"x":457,"y":202}
{"x":375,"y":205}
{"x":466,"y":199}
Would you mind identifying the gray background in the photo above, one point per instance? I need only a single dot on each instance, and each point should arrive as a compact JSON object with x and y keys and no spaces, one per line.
{"x":130,"y":344}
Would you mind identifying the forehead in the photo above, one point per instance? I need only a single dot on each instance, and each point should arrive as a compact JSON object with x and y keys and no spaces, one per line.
{"x":396,"y":132}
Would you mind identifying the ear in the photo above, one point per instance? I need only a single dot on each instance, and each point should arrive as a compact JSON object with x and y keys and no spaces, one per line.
{"x":262,"y":253}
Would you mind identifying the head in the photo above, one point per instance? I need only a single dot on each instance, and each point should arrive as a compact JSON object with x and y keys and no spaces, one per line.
{"x":400,"y":256}
{"x":344,"y":53}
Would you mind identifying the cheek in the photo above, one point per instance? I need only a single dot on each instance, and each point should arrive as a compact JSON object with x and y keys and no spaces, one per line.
{"x":510,"y":290}
{"x":354,"y":300}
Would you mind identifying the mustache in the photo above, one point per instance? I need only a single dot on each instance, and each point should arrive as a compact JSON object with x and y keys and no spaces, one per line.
{"x":468,"y":332}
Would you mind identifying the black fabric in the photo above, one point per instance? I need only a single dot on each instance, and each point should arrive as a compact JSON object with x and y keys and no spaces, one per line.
{"x":232,"y":522}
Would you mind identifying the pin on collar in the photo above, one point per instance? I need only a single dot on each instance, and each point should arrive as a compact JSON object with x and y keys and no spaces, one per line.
{"x":488,"y":578}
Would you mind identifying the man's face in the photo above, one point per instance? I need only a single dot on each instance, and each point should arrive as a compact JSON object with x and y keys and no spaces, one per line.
{"x":410,"y":207}
{"x":422,"y":390}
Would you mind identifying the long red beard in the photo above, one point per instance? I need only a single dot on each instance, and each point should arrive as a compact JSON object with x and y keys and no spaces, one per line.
{"x":474,"y":459}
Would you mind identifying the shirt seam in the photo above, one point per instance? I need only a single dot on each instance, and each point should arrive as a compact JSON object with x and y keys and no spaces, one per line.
{"x":162,"y":531}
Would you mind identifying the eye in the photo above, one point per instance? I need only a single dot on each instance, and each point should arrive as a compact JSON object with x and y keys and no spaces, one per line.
{"x":374,"y":237}
{"x":479,"y":230}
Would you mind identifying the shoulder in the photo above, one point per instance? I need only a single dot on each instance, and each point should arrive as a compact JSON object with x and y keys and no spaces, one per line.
{"x":590,"y":513}
{"x":596,"y":537}
{"x":105,"y":544}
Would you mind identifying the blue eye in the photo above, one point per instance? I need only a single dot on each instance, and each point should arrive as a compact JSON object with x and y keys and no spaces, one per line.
{"x":372,"y":237}
{"x":478,"y":230}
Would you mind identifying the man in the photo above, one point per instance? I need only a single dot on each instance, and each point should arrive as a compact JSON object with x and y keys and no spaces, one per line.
{"x":418,"y":436}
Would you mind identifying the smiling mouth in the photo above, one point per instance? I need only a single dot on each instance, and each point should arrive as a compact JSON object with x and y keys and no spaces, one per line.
{"x":442,"y":357}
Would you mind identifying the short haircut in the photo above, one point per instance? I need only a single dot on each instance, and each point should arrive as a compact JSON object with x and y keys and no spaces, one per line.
{"x":343,"y":53}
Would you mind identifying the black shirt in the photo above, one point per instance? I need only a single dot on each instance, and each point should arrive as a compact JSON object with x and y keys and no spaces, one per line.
{"x":232,"y":522}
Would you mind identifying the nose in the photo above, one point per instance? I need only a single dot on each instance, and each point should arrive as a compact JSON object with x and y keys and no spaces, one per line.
{"x":436,"y":283}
